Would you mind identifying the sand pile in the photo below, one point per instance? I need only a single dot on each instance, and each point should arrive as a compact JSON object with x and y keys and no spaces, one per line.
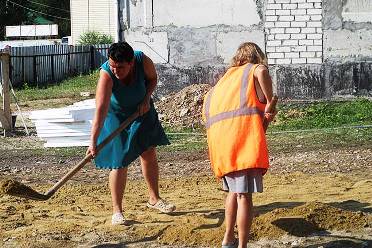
{"x":306,"y":219}
{"x":10,"y":186}
{"x":15,"y":188}
{"x":183,"y":109}
{"x":300,"y":221}
{"x":196,"y":230}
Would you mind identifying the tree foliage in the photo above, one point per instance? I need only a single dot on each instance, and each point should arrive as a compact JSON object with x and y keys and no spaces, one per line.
{"x":57,"y":11}
{"x":10,"y":15}
{"x":26,"y":12}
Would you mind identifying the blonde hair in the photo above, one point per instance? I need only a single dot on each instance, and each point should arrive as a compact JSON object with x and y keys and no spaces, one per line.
{"x":248,"y":52}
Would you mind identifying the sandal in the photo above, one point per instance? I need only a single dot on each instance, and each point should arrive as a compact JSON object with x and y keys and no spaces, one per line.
{"x":233,"y":244}
{"x":117,"y":219}
{"x":162,"y":206}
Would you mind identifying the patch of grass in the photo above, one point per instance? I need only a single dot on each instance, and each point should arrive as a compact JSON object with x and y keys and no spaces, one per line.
{"x":185,"y":138}
{"x":311,"y":116}
{"x":319,"y":140}
{"x":187,"y":141}
{"x":69,"y":88}
{"x":323,"y":115}
{"x":283,"y":141}
{"x":64,"y":152}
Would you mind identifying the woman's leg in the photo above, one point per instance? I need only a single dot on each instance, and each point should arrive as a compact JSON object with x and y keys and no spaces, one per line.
{"x":244,"y":217}
{"x":150,"y":171}
{"x":230,"y":218}
{"x":117,"y":181}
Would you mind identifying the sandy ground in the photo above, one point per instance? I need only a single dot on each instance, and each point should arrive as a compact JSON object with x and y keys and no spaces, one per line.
{"x":78,"y":215}
{"x":312,"y":198}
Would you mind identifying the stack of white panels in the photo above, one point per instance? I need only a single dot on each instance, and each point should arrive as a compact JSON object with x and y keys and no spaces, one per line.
{"x":64,"y":127}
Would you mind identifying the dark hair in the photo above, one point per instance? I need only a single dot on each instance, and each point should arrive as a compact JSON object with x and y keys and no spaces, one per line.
{"x":121,"y":52}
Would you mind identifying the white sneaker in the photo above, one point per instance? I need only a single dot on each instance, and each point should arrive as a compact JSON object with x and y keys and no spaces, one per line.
{"x":117,"y":219}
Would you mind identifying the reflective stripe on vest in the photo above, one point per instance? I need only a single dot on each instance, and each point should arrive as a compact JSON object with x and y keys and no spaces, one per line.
{"x":243,"y":110}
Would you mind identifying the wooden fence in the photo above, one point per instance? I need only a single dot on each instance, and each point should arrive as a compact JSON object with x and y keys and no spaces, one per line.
{"x":42,"y":65}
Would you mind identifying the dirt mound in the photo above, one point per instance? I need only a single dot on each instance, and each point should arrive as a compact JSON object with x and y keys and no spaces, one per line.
{"x":183,"y":109}
{"x":300,"y":221}
{"x":306,"y":219}
{"x":194,"y":232}
{"x":15,"y":188}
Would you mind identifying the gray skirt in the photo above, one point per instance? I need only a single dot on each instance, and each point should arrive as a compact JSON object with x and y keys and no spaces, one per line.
{"x":244,"y":181}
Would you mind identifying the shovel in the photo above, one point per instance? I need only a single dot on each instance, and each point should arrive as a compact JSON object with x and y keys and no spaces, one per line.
{"x":12,"y":187}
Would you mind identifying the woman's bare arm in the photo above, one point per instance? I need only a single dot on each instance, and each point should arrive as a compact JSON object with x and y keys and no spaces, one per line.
{"x":151,"y":78}
{"x":103,"y":94}
{"x":266,"y":85}
{"x":265,"y":82}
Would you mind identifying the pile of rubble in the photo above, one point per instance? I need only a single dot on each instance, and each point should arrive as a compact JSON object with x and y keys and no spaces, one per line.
{"x":184,"y":108}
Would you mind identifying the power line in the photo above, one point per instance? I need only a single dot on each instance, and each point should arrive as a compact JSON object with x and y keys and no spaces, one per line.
{"x":48,"y":6}
{"x":58,"y":17}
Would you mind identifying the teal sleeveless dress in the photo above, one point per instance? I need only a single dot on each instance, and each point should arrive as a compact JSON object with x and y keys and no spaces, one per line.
{"x":141,"y":134}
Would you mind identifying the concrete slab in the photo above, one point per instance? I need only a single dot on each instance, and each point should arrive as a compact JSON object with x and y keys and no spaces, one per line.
{"x":190,"y":46}
{"x":357,"y":11}
{"x":345,"y":45}
{"x":203,"y":13}
{"x":227,"y":43}
{"x":153,"y":44}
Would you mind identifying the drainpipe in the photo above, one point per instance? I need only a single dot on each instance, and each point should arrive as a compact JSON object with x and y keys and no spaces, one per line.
{"x":88,"y":16}
{"x":119,"y":19}
{"x":127,"y":6}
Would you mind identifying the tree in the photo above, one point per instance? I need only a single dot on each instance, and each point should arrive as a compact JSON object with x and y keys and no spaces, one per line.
{"x":10,"y":14}
{"x":18,"y":12}
{"x":57,"y":11}
{"x":94,"y":37}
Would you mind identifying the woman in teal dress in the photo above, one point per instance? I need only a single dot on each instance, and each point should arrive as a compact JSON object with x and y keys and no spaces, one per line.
{"x":125,"y":85}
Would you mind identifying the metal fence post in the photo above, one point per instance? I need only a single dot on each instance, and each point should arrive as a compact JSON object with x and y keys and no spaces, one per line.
{"x":52,"y":67}
{"x":68,"y":62}
{"x":34,"y":69}
{"x":92,"y":62}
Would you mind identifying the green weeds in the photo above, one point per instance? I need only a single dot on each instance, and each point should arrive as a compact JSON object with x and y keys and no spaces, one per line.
{"x":312,"y":124}
{"x":69,"y":88}
{"x":323,"y":115}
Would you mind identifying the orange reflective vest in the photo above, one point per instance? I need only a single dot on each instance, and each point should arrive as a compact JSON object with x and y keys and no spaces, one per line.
{"x":233,"y":116}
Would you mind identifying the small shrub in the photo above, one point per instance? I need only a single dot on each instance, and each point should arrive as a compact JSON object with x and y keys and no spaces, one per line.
{"x":94,"y":38}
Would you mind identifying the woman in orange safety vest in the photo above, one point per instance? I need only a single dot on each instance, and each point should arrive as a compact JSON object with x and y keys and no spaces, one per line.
{"x":234,"y":111}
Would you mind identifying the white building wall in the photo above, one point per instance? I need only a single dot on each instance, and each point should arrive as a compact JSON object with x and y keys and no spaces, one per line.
{"x":227,"y":43}
{"x":294,"y":31}
{"x":154,"y":44}
{"x":307,"y":41}
{"x":355,"y":44}
{"x":192,"y":32}
{"x":357,"y":11}
{"x":93,"y":15}
{"x":201,"y":13}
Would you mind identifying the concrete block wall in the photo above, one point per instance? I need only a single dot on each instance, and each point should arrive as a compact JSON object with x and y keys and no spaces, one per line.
{"x":347,"y":28}
{"x":317,"y":49}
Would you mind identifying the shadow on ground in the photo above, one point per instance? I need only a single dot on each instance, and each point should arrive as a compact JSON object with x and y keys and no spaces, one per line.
{"x":343,"y":242}
{"x":354,"y":206}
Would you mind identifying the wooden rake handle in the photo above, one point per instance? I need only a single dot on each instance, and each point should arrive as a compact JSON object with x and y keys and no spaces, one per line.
{"x":270,"y":109}
{"x":89,"y":157}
